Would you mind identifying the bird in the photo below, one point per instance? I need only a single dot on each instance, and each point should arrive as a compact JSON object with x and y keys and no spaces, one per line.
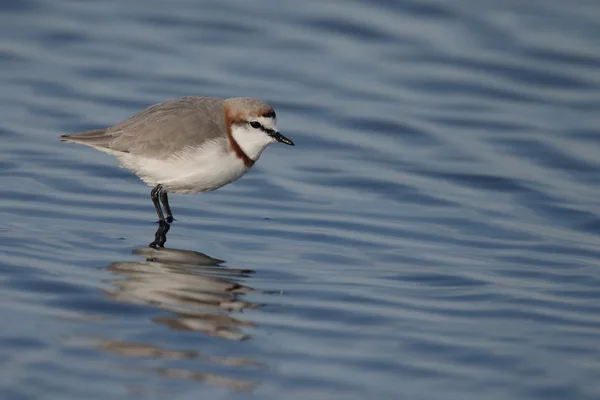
{"x":189,"y":144}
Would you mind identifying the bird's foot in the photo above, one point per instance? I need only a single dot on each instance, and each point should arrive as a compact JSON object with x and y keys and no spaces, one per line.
{"x":156,"y":245}
{"x":160,"y":237}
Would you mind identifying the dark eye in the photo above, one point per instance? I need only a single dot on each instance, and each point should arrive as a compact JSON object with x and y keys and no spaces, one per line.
{"x":255,"y":125}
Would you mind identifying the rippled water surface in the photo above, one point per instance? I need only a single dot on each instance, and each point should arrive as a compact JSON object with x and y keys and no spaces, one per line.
{"x":433,"y":234}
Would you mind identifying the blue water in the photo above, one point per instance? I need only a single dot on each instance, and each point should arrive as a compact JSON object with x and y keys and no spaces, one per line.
{"x":435,"y":233}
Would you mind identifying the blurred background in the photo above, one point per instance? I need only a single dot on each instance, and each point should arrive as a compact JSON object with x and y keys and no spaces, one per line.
{"x":433,"y":234}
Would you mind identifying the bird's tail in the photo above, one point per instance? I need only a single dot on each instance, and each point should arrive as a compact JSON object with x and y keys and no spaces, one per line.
{"x":94,"y":138}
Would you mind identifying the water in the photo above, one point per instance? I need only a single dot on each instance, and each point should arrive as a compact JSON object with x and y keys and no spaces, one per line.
{"x":433,"y":234}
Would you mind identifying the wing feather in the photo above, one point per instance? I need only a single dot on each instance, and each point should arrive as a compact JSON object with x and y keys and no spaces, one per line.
{"x":162,"y":129}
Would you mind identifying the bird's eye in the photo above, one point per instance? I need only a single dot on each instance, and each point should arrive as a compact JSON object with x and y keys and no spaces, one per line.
{"x":255,"y":124}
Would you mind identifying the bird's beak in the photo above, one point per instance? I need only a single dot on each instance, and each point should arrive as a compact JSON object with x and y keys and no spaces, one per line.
{"x":282,"y":139}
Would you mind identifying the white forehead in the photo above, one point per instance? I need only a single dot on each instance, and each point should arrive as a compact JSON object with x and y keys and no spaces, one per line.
{"x":267,"y":122}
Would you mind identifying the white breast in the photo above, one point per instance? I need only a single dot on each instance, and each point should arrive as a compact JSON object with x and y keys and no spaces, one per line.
{"x":191,"y":171}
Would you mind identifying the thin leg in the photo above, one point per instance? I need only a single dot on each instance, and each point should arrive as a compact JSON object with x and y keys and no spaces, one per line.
{"x":154,"y":196}
{"x":160,"y":237}
{"x":165,"y":202}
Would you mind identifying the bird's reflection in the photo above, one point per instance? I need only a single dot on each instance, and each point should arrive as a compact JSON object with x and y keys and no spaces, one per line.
{"x":198,"y":292}
{"x":140,"y":350}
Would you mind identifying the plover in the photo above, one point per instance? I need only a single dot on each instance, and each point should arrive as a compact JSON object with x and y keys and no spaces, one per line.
{"x":188,"y":145}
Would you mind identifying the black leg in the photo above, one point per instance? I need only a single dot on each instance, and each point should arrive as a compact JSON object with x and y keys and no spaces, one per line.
{"x":165,"y":202}
{"x":160,"y":237}
{"x":154,"y":196}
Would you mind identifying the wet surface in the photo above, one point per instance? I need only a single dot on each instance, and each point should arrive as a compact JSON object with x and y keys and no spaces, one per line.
{"x":434,"y":233}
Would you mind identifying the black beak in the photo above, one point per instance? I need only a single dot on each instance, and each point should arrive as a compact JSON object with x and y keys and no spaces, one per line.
{"x":282,"y":139}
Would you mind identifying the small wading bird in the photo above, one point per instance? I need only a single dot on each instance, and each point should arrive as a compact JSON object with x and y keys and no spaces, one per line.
{"x":188,"y":145}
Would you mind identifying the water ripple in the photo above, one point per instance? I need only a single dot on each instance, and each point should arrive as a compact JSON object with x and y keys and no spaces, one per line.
{"x":434,"y":233}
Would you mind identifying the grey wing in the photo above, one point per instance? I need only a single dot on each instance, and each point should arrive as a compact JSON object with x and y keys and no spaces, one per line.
{"x":166,"y":128}
{"x":94,"y":138}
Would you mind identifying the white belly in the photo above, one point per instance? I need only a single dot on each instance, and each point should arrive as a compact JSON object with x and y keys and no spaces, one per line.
{"x":199,"y":170}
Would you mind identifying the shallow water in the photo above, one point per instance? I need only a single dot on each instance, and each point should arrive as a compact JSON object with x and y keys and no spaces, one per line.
{"x":433,"y":234}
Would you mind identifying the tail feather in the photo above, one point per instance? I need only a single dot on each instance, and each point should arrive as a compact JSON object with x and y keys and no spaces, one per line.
{"x":94,"y":138}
